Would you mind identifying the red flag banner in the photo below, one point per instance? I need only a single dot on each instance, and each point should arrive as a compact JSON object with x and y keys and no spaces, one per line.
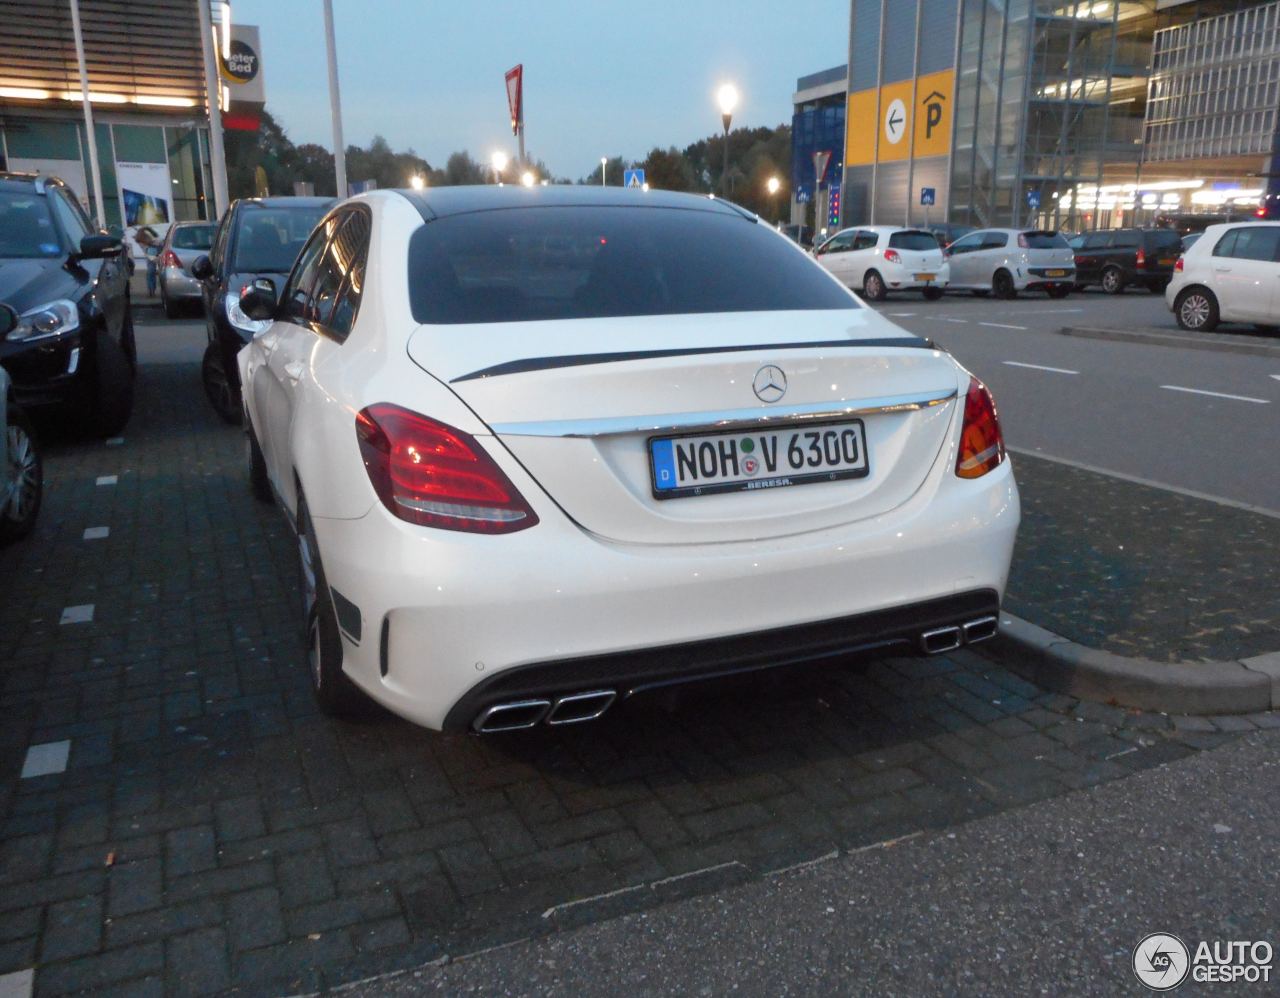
{"x":515,"y":96}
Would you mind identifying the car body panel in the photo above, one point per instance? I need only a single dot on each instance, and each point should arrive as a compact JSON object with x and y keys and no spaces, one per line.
{"x":1246,"y":290}
{"x":852,"y":253}
{"x":976,"y":257}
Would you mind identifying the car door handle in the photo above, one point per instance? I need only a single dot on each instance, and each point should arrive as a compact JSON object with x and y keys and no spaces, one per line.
{"x":294,"y":370}
{"x":1222,"y":270}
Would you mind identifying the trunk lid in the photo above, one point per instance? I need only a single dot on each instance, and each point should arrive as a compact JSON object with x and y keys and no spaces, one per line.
{"x":578,"y":402}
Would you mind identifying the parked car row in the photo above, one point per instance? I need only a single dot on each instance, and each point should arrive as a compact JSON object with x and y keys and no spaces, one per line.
{"x":878,"y":260}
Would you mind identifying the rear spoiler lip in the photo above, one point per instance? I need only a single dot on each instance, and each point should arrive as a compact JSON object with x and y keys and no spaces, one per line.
{"x":529,"y":364}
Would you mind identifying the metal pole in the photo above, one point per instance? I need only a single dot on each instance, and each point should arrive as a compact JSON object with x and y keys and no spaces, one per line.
{"x":724,"y":173}
{"x":335,"y":105}
{"x":100,"y":210}
{"x":217,"y":155}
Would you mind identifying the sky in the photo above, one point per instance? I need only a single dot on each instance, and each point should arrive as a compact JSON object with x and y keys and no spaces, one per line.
{"x":601,"y":78}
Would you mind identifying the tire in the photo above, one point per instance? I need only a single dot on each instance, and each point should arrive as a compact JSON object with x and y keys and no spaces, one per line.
{"x":170,"y":309}
{"x":25,"y":472}
{"x":128,"y":341}
{"x":222,"y":395}
{"x":111,"y":403}
{"x":1002,"y":285}
{"x":259,"y":483}
{"x":335,"y":694}
{"x":1113,"y":281}
{"x":931,"y":294}
{"x":1058,"y":293}
{"x":1196,"y":310}
{"x":873,"y":287}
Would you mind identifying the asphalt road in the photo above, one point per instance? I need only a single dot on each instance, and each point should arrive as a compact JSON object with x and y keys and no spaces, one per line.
{"x":1128,"y":408}
{"x":1047,"y":899}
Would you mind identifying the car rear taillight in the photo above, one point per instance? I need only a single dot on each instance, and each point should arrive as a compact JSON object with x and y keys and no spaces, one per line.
{"x":981,"y":443}
{"x":1142,"y":258}
{"x":1177,"y":266}
{"x":891,"y":256}
{"x":1022,"y":241}
{"x":431,"y":474}
{"x":170,"y":259}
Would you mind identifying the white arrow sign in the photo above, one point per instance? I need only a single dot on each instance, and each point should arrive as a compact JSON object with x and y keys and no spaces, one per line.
{"x":895,"y":122}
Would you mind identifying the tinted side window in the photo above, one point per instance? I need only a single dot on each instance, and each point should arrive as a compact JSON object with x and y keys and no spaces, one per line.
{"x":353,"y":249}
{"x":297,"y":291}
{"x":866,"y":240}
{"x":838,"y":243}
{"x":1125,"y":239}
{"x":1097,"y":240}
{"x":1258,"y":242}
{"x":995,"y":240}
{"x":69,"y":219}
{"x":1227,"y":244}
{"x":968,"y":244}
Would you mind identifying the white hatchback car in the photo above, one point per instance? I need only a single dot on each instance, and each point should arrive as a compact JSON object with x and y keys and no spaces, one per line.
{"x":1006,"y":261}
{"x":548,"y":448}
{"x":877,"y":259}
{"x":1230,"y":274}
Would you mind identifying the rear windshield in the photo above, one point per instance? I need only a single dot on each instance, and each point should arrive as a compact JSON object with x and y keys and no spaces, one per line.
{"x":913,"y":241}
{"x":193,"y":237}
{"x":269,"y":239}
{"x":1045,"y":240}
{"x":525,"y":264}
{"x":1164,"y":239}
{"x":26,"y":226}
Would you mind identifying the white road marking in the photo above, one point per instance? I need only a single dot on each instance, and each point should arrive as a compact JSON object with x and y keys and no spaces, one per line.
{"x":43,"y":760}
{"x":96,"y":533}
{"x":1217,"y":395}
{"x":107,"y":480}
{"x":900,"y":315}
{"x":943,"y":318}
{"x":1276,"y":376}
{"x":1149,"y":482}
{"x":19,"y":984}
{"x":114,"y":441}
{"x":1001,"y":325}
{"x":1039,"y":367}
{"x":82,"y":614}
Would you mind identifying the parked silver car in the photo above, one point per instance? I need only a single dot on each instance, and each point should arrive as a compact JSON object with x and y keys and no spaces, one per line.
{"x":21,"y":480}
{"x":182,"y":244}
{"x":1006,"y":261}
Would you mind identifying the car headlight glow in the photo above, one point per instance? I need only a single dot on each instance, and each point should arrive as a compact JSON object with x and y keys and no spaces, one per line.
{"x":54,"y":319}
{"x":241,"y":321}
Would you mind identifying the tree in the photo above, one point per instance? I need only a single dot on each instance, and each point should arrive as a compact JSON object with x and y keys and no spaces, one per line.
{"x":613,"y":173}
{"x":462,"y":169}
{"x":668,"y":170}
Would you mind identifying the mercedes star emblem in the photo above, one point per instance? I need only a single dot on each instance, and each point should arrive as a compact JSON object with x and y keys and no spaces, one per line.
{"x":770,"y":383}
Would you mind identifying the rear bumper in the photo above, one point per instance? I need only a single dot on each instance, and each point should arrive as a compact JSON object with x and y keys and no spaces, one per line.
{"x":438,"y":623}
{"x":178,"y":285}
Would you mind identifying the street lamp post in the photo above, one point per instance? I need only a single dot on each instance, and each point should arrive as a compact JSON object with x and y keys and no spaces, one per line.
{"x":499,"y":161}
{"x":604,"y":163}
{"x":727,"y":97}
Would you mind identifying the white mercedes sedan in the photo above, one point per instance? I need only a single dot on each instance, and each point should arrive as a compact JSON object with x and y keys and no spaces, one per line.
{"x":546,"y":449}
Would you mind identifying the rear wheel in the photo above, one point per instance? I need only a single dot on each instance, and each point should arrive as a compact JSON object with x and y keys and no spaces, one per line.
{"x":873,"y":286}
{"x":1058,"y":292}
{"x":112,"y":389}
{"x":1112,"y":281}
{"x":932,"y":294}
{"x":170,"y":309}
{"x":259,"y":483}
{"x":1196,"y":309}
{"x":336,"y":695}
{"x":223,"y":395}
{"x":24,"y":476}
{"x":1003,"y":286}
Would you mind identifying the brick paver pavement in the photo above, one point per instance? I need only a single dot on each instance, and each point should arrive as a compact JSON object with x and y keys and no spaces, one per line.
{"x":213,"y":831}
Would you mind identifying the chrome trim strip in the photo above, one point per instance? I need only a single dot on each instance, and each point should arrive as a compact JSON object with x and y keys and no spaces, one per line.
{"x":680,"y":422}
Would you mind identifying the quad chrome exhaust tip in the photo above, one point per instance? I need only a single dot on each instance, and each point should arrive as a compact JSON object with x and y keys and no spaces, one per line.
{"x":519,"y":715}
{"x":945,"y":639}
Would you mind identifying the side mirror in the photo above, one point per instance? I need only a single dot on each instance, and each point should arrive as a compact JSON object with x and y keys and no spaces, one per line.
{"x":260,"y":300}
{"x":201,"y":268}
{"x":8,"y":320}
{"x":96,"y":247}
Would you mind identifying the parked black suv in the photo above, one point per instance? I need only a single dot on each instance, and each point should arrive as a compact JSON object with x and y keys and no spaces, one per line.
{"x":258,"y":237}
{"x":73,"y":349}
{"x":1116,"y":258}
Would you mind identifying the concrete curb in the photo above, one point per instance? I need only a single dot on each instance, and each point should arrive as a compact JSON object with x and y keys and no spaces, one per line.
{"x":1060,"y":665}
{"x":1221,"y":342}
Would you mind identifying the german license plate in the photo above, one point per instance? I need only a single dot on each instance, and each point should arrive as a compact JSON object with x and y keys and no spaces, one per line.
{"x":1055,"y":273}
{"x":1167,"y":261}
{"x":739,"y":461}
{"x":926,"y":277}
